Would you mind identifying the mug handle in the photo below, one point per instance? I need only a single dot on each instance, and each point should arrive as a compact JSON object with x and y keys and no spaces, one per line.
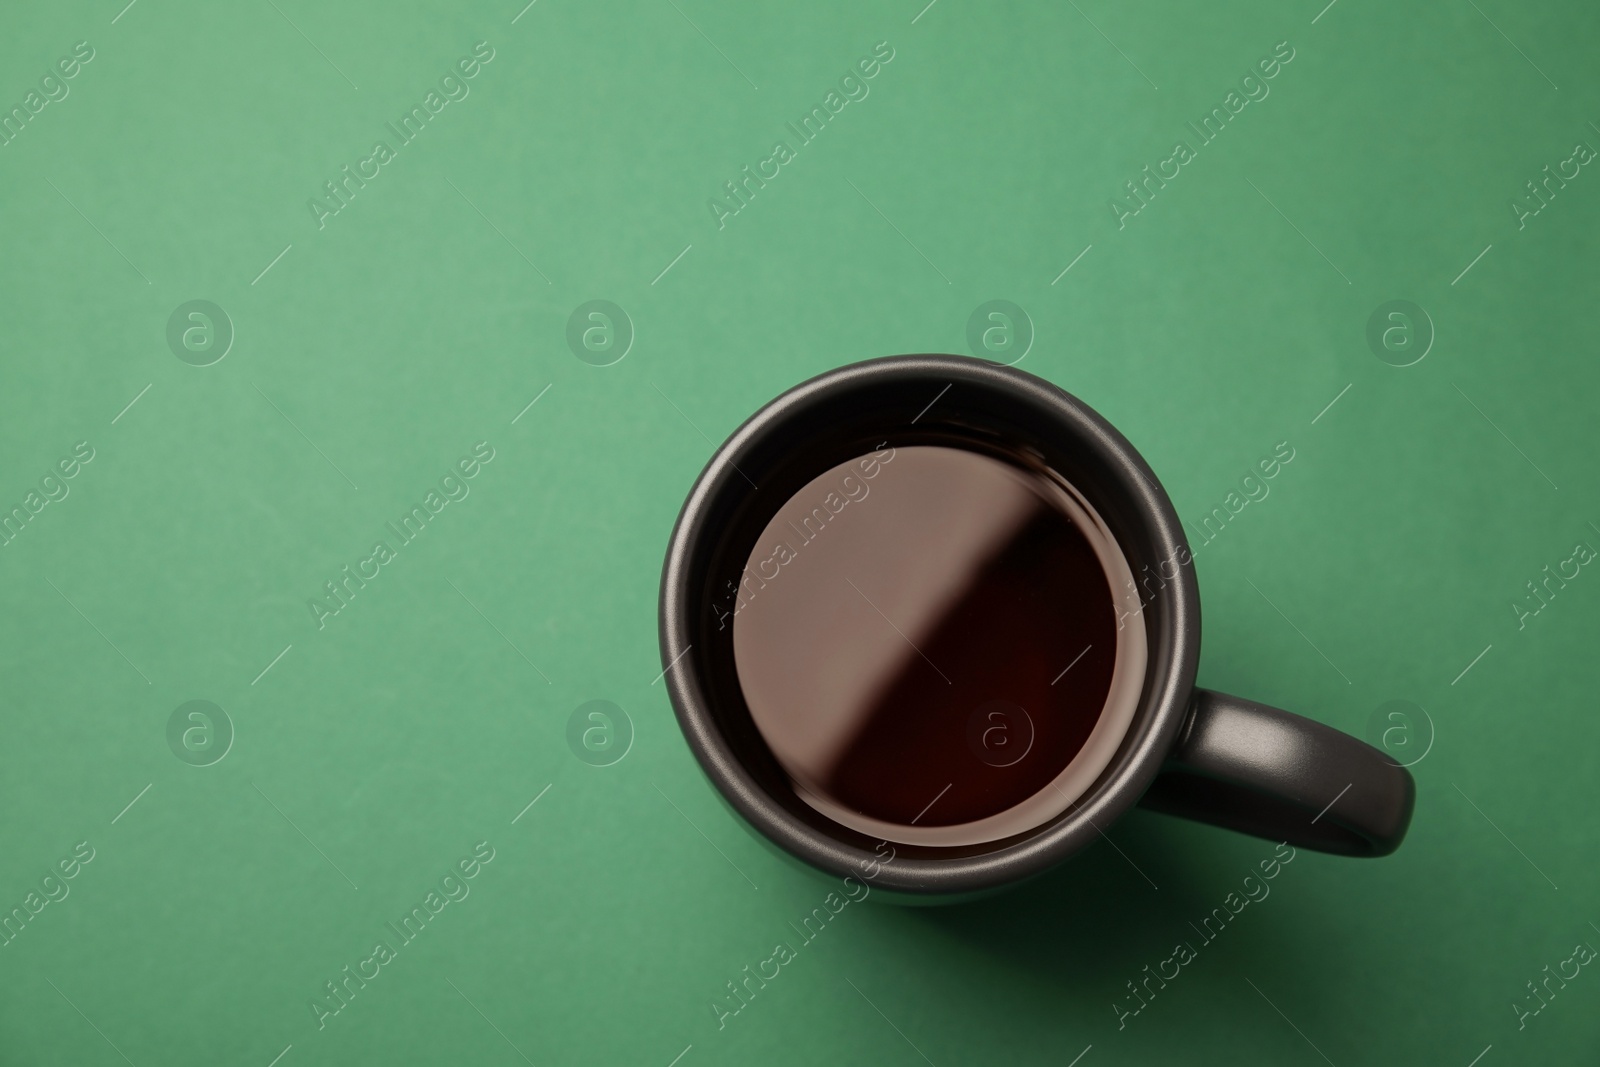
{"x":1262,"y":771}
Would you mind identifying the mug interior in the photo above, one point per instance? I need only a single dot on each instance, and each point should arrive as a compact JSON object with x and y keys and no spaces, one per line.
{"x":941,"y":661}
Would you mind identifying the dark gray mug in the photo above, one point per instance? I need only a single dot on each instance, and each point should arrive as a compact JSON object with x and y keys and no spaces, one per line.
{"x":1190,"y":752}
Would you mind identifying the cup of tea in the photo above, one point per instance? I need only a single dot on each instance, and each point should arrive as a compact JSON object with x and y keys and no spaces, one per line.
{"x":939,"y":610}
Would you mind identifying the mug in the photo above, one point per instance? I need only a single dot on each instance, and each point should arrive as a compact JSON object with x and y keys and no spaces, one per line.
{"x":1186,"y":751}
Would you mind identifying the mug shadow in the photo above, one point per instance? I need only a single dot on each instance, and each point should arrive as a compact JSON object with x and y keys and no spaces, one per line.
{"x":1086,"y":926}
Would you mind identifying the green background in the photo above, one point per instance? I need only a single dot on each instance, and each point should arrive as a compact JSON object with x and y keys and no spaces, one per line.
{"x":376,"y":751}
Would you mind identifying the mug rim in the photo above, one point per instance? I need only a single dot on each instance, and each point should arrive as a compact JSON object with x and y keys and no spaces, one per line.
{"x":1169,"y":678}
